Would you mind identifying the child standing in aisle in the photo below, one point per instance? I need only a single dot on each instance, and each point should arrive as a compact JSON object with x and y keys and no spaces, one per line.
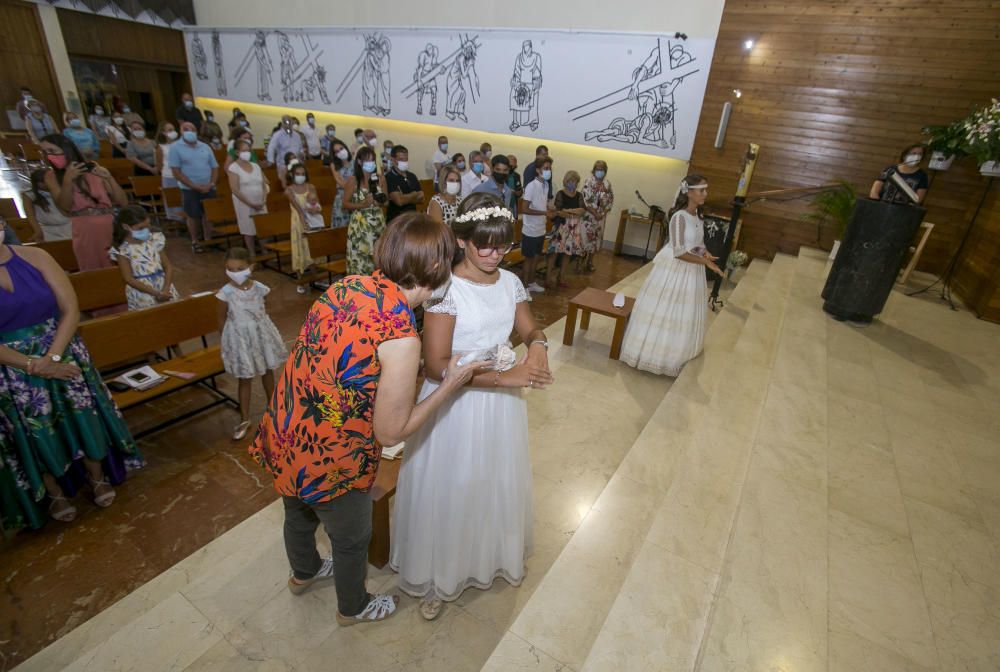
{"x":143,"y":262}
{"x":251,"y":344}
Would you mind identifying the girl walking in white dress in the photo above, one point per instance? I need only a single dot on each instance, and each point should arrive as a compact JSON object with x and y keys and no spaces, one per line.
{"x":667,"y":327}
{"x":463,"y":510}
{"x":251,"y":344}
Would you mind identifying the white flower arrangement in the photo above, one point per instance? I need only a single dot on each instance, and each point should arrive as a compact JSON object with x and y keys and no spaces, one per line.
{"x":482,"y":214}
{"x":982,"y":132}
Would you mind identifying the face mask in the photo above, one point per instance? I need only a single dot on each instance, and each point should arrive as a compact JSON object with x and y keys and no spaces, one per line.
{"x":141,"y":234}
{"x":599,"y":174}
{"x":402,"y":166}
{"x":171,"y":135}
{"x":57,"y":160}
{"x":189,"y":104}
{"x":460,"y":165}
{"x":99,"y":111}
{"x":570,"y":186}
{"x":443,"y":146}
{"x":488,"y":153}
{"x":239,"y":277}
{"x":119,"y":120}
{"x":244,"y":123}
{"x":310,"y":121}
{"x":373,"y":142}
{"x":368,"y":166}
{"x":295,"y":127}
{"x":300,"y":179}
{"x":477,"y":167}
{"x":245,"y":156}
{"x":26,"y":96}
{"x":546,"y":175}
{"x":360,"y":139}
{"x":913,"y":159}
{"x":343,"y":154}
{"x":189,"y":136}
{"x":501,"y":178}
{"x":453,"y":188}
{"x":139,"y":134}
{"x":75,"y":123}
{"x":331,"y":133}
{"x":126,"y":110}
{"x":209,"y":118}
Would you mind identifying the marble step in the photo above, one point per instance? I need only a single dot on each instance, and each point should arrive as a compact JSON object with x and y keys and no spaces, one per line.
{"x":670,"y":597}
{"x":558,"y":624}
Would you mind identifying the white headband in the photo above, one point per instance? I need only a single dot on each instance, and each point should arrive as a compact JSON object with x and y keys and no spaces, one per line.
{"x":685,"y":188}
{"x":484,"y":213}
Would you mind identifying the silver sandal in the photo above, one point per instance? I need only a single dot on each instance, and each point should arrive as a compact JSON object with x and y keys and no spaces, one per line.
{"x":66,"y":514}
{"x":103,"y":499}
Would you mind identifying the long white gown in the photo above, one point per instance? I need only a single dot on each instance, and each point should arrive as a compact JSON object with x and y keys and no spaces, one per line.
{"x":667,"y":327}
{"x":463,"y":511}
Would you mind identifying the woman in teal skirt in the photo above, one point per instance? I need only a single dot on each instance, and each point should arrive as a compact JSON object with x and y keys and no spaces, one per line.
{"x":59,"y":428}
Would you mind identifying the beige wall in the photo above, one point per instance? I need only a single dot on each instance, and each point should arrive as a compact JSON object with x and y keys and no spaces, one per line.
{"x":656,"y":178}
{"x":57,"y":51}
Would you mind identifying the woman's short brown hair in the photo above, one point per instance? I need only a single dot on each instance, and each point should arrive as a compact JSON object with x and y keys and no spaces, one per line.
{"x":415,"y":251}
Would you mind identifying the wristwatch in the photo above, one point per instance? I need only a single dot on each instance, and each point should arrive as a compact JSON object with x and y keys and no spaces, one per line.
{"x":55,"y":358}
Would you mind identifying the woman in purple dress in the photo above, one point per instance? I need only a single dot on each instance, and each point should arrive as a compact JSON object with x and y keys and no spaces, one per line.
{"x":59,"y":428}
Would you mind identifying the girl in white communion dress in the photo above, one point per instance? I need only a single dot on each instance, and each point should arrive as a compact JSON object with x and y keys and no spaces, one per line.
{"x":667,"y":327}
{"x":463,"y":511}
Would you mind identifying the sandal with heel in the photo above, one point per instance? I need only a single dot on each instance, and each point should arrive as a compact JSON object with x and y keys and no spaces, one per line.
{"x":65,"y":513}
{"x":104,"y":494}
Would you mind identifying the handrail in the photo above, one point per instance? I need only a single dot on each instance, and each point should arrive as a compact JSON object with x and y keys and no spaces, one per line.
{"x":764,"y":195}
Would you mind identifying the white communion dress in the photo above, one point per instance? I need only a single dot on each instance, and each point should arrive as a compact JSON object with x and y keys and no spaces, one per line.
{"x":667,"y":327}
{"x":463,"y":509}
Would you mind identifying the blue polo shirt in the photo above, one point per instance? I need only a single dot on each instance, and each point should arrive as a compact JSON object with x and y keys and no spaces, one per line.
{"x":490,"y":186}
{"x":196,"y":162}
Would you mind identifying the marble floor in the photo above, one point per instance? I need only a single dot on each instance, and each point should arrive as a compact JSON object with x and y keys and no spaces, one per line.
{"x":806,"y":496}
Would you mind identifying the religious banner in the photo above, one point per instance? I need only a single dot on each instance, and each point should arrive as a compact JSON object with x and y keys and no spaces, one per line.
{"x":633,"y":91}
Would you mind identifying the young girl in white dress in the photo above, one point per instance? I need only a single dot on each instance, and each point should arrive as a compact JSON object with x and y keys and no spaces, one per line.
{"x":251,"y":344}
{"x":667,"y":327}
{"x":463,"y":511}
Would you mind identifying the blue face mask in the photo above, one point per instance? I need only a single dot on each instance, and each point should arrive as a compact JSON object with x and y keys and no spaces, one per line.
{"x":368,"y":166}
{"x":599,"y":174}
{"x":570,"y":186}
{"x":141,"y":234}
{"x":546,"y":175}
{"x":75,"y":123}
{"x":460,"y":165}
{"x":189,"y":136}
{"x":477,"y":167}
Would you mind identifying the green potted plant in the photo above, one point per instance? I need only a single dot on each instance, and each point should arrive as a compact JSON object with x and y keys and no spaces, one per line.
{"x":945,"y":143}
{"x":982,"y":137}
{"x":836,"y":206}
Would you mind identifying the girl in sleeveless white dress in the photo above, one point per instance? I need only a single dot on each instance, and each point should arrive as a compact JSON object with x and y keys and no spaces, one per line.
{"x":667,"y":326}
{"x":463,"y":511}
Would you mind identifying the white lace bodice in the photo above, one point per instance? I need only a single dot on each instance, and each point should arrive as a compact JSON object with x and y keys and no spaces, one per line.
{"x":484,"y":314}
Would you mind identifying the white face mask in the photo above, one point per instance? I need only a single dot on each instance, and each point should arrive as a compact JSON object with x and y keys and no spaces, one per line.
{"x":3,"y":232}
{"x":139,"y":134}
{"x":300,"y":179}
{"x":171,"y":135}
{"x":343,"y":154}
{"x":402,"y":166}
{"x":239,"y":277}
{"x":453,"y":188}
{"x":245,"y":156}
{"x":119,"y":120}
{"x":373,"y":142}
{"x":913,"y":159}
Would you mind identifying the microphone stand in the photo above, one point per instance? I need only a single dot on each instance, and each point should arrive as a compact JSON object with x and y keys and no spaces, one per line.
{"x":652,"y":223}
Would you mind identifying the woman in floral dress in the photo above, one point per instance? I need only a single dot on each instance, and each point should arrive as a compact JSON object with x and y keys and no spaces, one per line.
{"x":598,"y":198}
{"x":59,"y":428}
{"x":367,"y":218}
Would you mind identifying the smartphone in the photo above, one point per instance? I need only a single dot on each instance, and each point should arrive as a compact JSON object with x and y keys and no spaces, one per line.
{"x":118,"y":386}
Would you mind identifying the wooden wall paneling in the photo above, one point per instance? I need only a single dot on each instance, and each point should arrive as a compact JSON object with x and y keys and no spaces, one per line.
{"x":103,"y":38}
{"x":835,"y":91}
{"x":26,"y":61}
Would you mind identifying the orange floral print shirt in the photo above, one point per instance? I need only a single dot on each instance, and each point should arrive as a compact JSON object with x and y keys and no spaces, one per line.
{"x":317,"y":438}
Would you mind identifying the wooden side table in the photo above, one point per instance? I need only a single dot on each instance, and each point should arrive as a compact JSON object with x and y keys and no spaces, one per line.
{"x":598,"y":301}
{"x":384,"y":488}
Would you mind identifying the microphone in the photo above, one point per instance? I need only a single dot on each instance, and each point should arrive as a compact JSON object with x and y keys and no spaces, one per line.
{"x":641,"y":199}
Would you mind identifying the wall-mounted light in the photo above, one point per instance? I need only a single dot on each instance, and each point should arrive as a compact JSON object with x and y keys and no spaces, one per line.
{"x":748,"y":44}
{"x":738,"y":93}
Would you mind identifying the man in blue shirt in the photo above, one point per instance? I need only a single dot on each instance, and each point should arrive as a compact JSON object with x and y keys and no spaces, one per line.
{"x":196,"y":171}
{"x":498,"y":184}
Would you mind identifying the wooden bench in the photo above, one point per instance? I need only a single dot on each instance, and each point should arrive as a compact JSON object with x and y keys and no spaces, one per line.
{"x":8,"y":209}
{"x":147,"y":192}
{"x":126,"y":337}
{"x":329,"y":244}
{"x":273,"y":228}
{"x":22,"y":227}
{"x":62,"y":252}
{"x":98,"y":289}
{"x":221,"y":215}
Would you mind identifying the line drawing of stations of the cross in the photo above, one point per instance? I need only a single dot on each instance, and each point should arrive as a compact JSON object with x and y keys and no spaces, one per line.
{"x":651,"y":94}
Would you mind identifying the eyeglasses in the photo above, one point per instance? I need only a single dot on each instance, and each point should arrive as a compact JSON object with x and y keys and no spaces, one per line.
{"x":490,"y":251}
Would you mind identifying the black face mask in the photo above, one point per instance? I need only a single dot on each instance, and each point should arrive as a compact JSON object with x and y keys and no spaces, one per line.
{"x":501,"y":178}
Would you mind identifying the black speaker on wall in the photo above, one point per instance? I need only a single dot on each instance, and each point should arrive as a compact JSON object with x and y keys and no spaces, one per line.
{"x":869,"y":259}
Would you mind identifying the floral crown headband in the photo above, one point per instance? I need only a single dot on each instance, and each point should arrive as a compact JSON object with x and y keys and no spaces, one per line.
{"x":685,"y":187}
{"x":484,"y":213}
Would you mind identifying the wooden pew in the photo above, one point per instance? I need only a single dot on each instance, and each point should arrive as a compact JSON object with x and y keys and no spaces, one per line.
{"x":331,"y":245}
{"x":99,"y":289}
{"x":8,"y":209}
{"x":62,"y":252}
{"x":426,"y":186}
{"x":148,"y":193}
{"x":283,"y":247}
{"x":126,"y":337}
{"x":22,"y":228}
{"x":273,"y":228}
{"x":222,"y":217}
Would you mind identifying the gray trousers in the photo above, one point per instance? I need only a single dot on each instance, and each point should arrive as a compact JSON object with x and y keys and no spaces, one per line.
{"x":347,"y":520}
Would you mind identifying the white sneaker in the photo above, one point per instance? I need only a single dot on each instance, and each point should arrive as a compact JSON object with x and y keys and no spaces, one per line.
{"x":301,"y":289}
{"x":535,"y":287}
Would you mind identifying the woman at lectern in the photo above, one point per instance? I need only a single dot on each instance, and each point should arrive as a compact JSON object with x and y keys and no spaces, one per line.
{"x":909,"y":169}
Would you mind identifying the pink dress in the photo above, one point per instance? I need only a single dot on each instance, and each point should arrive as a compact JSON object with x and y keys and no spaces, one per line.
{"x":93,"y":224}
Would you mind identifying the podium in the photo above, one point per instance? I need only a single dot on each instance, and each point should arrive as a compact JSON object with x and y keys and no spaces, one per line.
{"x":869,"y":259}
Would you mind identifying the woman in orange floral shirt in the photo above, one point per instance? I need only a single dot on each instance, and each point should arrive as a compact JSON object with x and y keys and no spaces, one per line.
{"x":348,"y":388}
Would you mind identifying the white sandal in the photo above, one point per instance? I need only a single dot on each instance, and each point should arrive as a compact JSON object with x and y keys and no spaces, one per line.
{"x":430,"y":608}
{"x":66,"y":514}
{"x":380,"y":608}
{"x":103,"y":499}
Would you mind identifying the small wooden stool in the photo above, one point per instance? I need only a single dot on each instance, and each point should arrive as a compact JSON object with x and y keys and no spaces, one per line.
{"x":598,"y":301}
